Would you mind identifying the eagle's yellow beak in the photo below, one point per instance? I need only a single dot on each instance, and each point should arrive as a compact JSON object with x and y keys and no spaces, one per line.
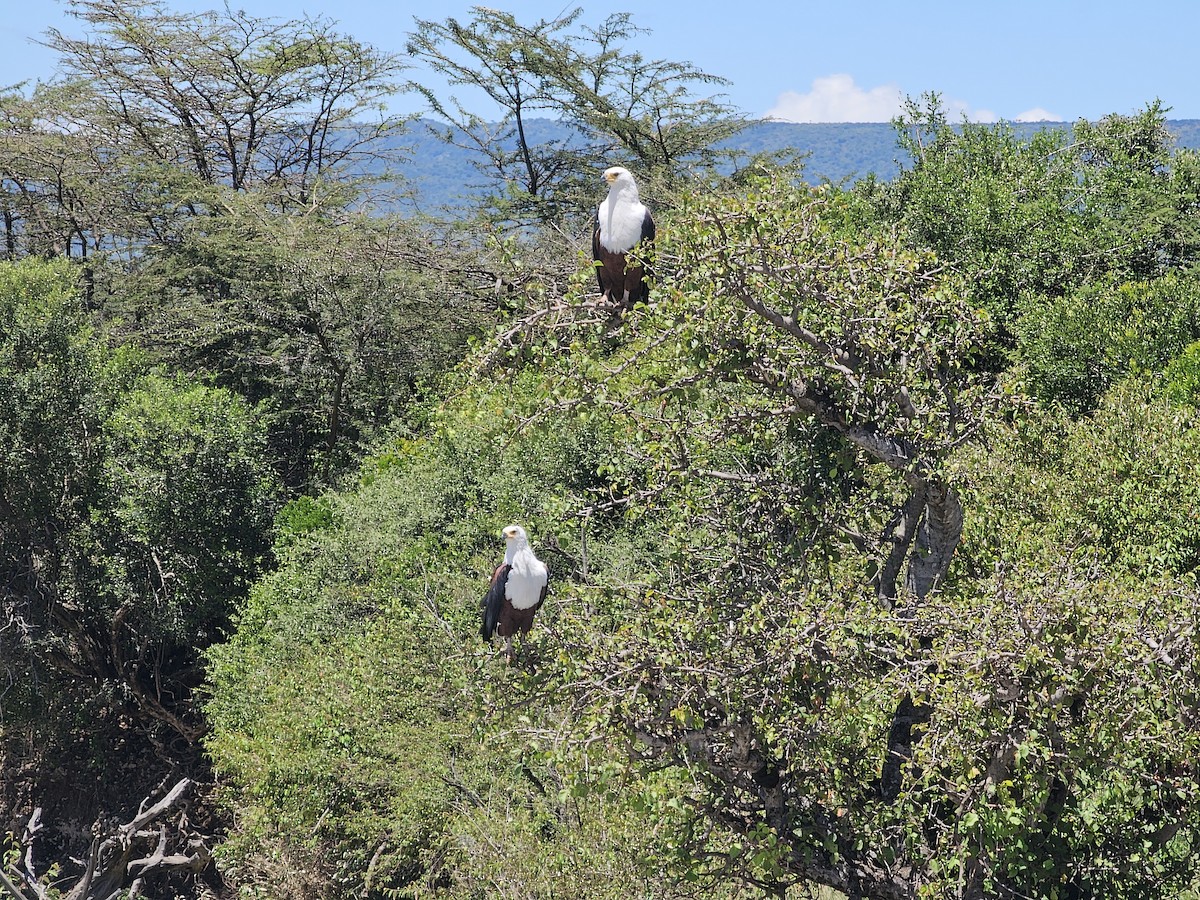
{"x":610,"y":177}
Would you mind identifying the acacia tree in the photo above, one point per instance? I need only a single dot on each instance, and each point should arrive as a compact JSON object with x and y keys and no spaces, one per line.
{"x":501,"y":61}
{"x":613,"y":104}
{"x":233,"y":99}
{"x":44,"y":168}
{"x":649,"y":108}
{"x":156,"y":111}
{"x":205,"y":165}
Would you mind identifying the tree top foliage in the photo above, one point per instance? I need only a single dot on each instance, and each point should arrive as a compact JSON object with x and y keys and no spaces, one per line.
{"x":230,"y":99}
{"x":623,"y":108}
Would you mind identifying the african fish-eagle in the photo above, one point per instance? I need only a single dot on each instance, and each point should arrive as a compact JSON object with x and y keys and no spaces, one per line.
{"x":517,"y":591}
{"x":622,"y":222}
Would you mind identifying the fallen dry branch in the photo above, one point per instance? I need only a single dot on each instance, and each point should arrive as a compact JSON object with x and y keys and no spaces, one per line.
{"x":157,"y":841}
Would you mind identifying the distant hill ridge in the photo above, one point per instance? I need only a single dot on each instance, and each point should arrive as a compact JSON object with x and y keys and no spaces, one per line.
{"x":441,"y":174}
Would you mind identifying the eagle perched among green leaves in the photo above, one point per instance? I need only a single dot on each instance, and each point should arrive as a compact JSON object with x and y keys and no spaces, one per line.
{"x":517,"y":591}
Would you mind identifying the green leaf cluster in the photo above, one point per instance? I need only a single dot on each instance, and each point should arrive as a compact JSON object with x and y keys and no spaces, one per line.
{"x":1043,"y":216}
{"x":1076,"y":347}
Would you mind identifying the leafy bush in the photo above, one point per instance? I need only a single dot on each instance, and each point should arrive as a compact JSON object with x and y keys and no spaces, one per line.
{"x":1118,"y":488}
{"x":1077,"y":346}
{"x":137,"y":510}
{"x":360,"y":728}
{"x":1182,"y":376}
{"x":192,"y":500}
{"x":1046,"y":213}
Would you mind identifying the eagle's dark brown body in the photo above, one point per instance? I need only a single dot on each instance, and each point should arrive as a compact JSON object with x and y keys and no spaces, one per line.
{"x":499,"y":615}
{"x":621,"y":279}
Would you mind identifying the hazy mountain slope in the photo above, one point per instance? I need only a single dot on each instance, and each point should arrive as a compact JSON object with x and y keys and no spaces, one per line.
{"x":441,"y":174}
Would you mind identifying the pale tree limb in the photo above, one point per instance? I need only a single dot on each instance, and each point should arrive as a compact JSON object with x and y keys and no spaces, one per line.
{"x":111,"y":868}
{"x":10,"y":887}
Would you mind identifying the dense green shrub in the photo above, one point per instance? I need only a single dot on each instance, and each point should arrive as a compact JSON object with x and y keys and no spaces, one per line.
{"x":1077,"y":346}
{"x":360,"y":728}
{"x":1117,"y":488}
{"x":1045,"y":214}
{"x":137,"y":510}
{"x":1183,"y":376}
{"x":191,"y":489}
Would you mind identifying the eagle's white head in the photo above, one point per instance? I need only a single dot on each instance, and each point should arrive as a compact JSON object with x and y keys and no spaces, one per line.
{"x":621,"y":179}
{"x":616,"y":173}
{"x":526,"y":567}
{"x":621,"y":215}
{"x":515,"y":536}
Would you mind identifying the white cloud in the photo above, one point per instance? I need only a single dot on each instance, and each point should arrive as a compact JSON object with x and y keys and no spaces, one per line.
{"x":836,"y":98}
{"x":956,"y":109}
{"x":1038,"y":114}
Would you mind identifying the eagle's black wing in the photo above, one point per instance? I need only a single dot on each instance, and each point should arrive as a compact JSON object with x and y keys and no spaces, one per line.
{"x":542,"y":598}
{"x":648,"y":228}
{"x":596,"y":257}
{"x":493,"y":601}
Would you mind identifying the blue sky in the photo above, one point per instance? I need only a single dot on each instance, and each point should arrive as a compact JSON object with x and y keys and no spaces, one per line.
{"x":837,"y":60}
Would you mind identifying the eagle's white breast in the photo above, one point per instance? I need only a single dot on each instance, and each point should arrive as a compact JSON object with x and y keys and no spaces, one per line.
{"x":621,"y":215}
{"x":526,"y":577}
